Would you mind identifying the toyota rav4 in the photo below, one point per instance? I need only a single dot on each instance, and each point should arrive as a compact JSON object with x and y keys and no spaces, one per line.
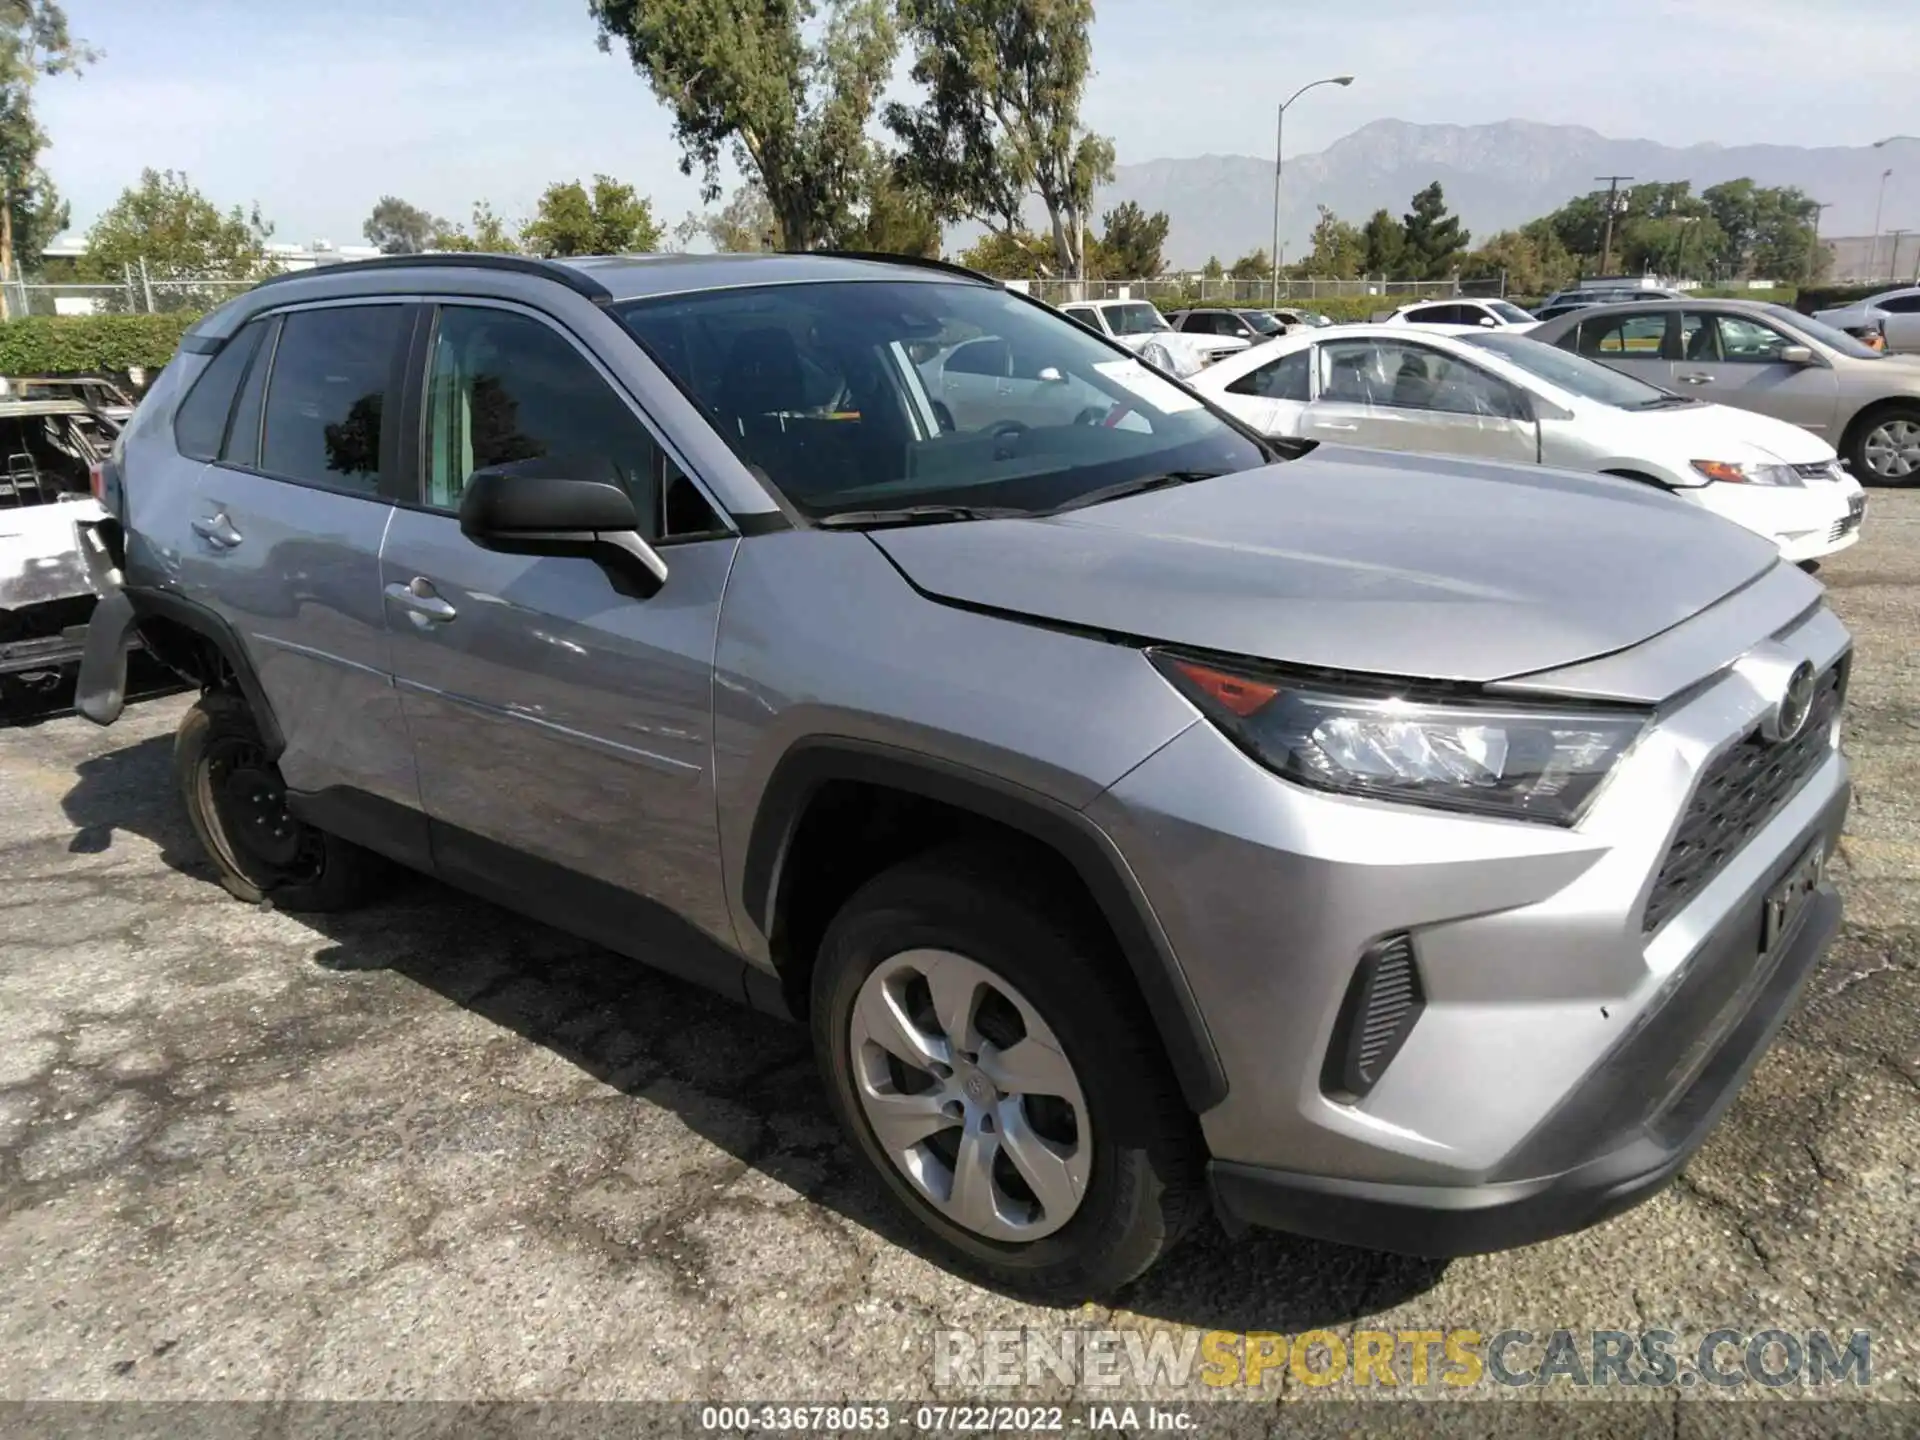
{"x":1407,"y":851}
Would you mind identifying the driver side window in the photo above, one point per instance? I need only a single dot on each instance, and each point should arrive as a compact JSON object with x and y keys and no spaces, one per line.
{"x":1748,"y":342}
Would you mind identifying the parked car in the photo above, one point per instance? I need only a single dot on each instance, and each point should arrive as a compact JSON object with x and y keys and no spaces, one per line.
{"x":1893,"y":315}
{"x":1144,"y":330}
{"x":1770,"y":360}
{"x":1293,"y":318}
{"x":1415,"y":853}
{"x":1509,"y":397}
{"x":1251,"y":326}
{"x":1464,"y":315}
{"x":50,"y":445}
{"x":1564,"y":301}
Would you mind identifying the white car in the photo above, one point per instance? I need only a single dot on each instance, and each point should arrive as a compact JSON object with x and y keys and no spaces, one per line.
{"x":1145,"y":331}
{"x":1464,"y":315}
{"x":1894,"y":315}
{"x":1506,"y":397}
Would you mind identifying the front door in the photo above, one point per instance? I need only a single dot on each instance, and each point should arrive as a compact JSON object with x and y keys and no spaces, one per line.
{"x":283,"y":540}
{"x":1641,"y":344}
{"x":1404,"y":395}
{"x":1735,"y":360}
{"x":562,"y":729}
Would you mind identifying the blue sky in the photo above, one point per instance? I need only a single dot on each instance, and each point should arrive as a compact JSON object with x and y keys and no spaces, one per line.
{"x":315,"y":108}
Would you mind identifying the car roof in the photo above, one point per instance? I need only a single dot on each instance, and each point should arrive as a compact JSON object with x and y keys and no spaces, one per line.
{"x":602,"y":279}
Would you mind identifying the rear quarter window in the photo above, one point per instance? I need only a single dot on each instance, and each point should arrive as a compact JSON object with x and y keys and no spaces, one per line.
{"x":200,"y":424}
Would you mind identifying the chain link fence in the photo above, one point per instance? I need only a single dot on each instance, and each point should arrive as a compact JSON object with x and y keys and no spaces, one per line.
{"x":136,"y":294}
{"x":1200,"y":289}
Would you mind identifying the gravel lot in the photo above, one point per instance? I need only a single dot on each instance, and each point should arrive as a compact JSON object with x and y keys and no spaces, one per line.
{"x":434,"y":1151}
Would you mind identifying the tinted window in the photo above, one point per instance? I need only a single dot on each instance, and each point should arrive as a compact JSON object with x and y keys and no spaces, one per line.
{"x":1901,"y":304}
{"x":243,"y":434}
{"x":201,"y":423}
{"x":1434,"y":315}
{"x":505,"y":389}
{"x":1282,"y":379}
{"x":744,"y":354}
{"x":1636,"y":336}
{"x":326,"y":395}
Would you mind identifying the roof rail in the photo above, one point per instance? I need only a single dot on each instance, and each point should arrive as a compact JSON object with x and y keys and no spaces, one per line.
{"x":574,"y":279}
{"x":920,"y":261}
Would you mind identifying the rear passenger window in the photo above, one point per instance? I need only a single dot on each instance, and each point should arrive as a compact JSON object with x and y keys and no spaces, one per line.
{"x":505,"y":389}
{"x":201,"y":422}
{"x":1282,"y":379}
{"x":326,"y":396}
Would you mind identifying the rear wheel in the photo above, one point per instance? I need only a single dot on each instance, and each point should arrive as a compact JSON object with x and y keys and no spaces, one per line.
{"x":237,"y":802}
{"x":978,"y":1050}
{"x":1886,"y":447}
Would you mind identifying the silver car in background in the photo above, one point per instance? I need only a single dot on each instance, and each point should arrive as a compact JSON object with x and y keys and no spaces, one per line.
{"x":1768,"y":359}
{"x":1894,"y":314}
{"x":1412,"y":852}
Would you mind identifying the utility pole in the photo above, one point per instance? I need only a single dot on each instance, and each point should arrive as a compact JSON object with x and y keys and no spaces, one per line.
{"x":1613,"y":199}
{"x":1813,"y":249}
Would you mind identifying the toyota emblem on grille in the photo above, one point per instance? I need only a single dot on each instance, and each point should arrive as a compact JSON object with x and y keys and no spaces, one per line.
{"x":1789,"y":717}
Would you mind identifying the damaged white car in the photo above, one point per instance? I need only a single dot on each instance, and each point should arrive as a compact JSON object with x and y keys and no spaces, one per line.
{"x":51,"y":450}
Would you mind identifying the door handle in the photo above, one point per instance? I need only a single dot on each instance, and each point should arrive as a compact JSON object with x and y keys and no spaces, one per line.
{"x":1345,"y":425}
{"x":1695,"y":379}
{"x":217,"y":530}
{"x":418,"y":599}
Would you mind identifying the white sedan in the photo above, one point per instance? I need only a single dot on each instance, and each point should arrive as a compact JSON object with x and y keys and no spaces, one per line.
{"x":1464,"y":315}
{"x":1505,"y":397}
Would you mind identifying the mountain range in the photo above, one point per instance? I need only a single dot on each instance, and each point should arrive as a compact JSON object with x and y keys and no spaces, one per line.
{"x":1495,"y":176}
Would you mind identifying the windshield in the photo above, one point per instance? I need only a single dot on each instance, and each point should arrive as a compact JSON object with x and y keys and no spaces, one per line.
{"x":1136,"y":318}
{"x":1262,"y":323}
{"x":1510,"y":313}
{"x":1575,"y":374}
{"x":870,"y":395}
{"x":1832,"y":338}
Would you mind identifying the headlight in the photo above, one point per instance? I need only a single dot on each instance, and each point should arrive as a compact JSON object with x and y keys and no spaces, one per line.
{"x":1741,"y":474}
{"x":1522,"y":762}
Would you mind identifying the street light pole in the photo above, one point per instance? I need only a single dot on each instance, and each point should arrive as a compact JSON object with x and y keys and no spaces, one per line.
{"x":1873,"y":248}
{"x":1893,"y":260}
{"x":1279,"y":138}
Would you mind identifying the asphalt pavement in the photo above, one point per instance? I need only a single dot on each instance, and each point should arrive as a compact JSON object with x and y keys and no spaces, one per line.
{"x":430,"y":1150}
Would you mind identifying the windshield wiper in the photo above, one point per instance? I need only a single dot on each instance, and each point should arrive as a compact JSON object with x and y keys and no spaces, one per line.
{"x":916,"y":515}
{"x":1137,"y":486}
{"x":1667,"y":402}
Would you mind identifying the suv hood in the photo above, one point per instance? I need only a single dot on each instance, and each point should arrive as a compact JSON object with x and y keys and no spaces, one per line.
{"x":1358,"y":561}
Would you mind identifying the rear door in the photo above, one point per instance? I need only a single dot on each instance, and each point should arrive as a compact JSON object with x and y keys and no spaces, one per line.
{"x":1735,"y":360}
{"x":285,"y":530}
{"x":1273,"y":396}
{"x":563,"y":728}
{"x":1641,"y":344}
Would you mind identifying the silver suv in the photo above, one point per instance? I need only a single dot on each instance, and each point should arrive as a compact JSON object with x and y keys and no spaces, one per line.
{"x":1404,"y":851}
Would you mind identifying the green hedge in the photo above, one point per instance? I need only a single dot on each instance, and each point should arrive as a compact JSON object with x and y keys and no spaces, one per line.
{"x":89,"y":344}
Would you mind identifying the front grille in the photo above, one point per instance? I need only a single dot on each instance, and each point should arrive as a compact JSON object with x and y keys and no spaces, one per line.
{"x":1383,"y":1000}
{"x":1823,"y":470}
{"x":1737,"y":795}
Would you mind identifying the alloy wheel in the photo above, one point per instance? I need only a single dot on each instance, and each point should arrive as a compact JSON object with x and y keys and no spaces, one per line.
{"x":1893,"y":449}
{"x":971,"y":1095}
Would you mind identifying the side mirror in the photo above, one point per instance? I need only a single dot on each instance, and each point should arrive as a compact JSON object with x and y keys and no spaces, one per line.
{"x":1050,"y":375}
{"x":516,"y":512}
{"x":1797,"y":355}
{"x":1489,"y":323}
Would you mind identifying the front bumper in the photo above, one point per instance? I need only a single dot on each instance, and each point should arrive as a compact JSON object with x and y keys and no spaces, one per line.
{"x":43,"y":653}
{"x":1623,"y":1170}
{"x":1568,"y":1056}
{"x":1808,"y":523}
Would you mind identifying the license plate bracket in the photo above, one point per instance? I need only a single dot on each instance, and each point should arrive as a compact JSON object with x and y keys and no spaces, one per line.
{"x":1786,"y":902}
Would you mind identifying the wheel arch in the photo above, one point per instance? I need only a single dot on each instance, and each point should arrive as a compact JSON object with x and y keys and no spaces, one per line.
{"x":817,"y":773}
{"x":202,"y":648}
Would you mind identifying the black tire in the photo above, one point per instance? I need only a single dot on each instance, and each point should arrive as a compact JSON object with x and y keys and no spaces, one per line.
{"x":1857,"y":445}
{"x":293,"y":866}
{"x":1146,"y":1184}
